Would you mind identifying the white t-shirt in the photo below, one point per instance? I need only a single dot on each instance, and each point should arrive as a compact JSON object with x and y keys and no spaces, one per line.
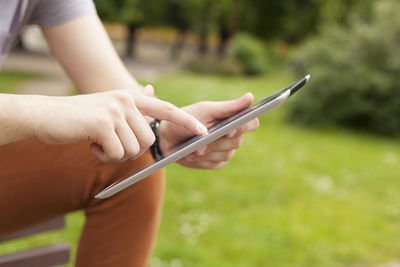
{"x":45,"y":13}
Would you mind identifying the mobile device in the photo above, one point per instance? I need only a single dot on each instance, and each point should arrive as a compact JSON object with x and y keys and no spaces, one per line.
{"x":214,"y":132}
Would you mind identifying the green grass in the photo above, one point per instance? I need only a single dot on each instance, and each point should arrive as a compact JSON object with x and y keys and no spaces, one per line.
{"x":290,"y":196}
{"x":9,"y":81}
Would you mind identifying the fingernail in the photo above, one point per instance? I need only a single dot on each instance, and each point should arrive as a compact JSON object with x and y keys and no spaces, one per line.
{"x":202,"y":129}
{"x":248,"y":94}
{"x":171,"y":106}
{"x":149,"y":89}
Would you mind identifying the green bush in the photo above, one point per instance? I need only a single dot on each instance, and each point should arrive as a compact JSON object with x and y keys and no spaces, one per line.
{"x":355,"y":74}
{"x":250,"y":53}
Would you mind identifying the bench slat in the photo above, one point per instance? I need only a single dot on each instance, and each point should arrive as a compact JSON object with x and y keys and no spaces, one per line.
{"x":52,"y":224}
{"x":41,"y":257}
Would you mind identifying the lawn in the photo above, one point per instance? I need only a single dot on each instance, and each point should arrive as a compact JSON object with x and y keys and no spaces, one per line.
{"x":10,"y":80}
{"x":290,"y":196}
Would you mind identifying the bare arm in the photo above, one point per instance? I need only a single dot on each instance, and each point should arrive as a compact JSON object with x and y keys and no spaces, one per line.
{"x":114,"y":121}
{"x":85,"y":51}
{"x":13,"y":113}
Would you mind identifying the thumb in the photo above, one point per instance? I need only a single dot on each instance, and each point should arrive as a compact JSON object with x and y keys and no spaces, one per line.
{"x":225,"y":109}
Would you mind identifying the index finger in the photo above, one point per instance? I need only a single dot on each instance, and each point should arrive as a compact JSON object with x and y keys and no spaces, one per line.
{"x":163,"y":110}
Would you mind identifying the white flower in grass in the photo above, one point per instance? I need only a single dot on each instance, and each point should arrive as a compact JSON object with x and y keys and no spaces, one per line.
{"x":351,"y":179}
{"x":197,"y":196}
{"x":391,"y":264}
{"x":175,"y":263}
{"x":156,"y":262}
{"x":194,"y":224}
{"x":186,"y":229}
{"x":392,"y":210}
{"x":390,"y":158}
{"x":300,"y":155}
{"x":323,"y":184}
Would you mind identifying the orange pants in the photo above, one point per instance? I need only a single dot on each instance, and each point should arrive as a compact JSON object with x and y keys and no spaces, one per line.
{"x":40,"y":181}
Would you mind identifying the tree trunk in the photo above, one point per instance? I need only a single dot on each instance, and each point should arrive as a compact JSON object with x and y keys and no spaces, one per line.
{"x":227,"y":29}
{"x":224,"y":36}
{"x":236,"y":17}
{"x":131,"y":41}
{"x":203,"y":45}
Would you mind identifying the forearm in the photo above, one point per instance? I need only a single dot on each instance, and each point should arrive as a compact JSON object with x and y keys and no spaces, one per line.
{"x":14,"y":118}
{"x":85,"y":51}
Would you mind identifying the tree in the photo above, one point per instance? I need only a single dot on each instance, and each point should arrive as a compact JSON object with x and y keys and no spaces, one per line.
{"x":199,"y":16}
{"x":294,"y":20}
{"x":228,"y":22}
{"x":133,"y":13}
{"x":222,"y":16}
{"x":175,"y":15}
{"x":355,"y":73}
{"x":289,"y":20}
{"x":194,"y":15}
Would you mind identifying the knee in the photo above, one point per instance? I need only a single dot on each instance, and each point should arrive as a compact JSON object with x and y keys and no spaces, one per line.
{"x":149,"y":193}
{"x":145,"y":196}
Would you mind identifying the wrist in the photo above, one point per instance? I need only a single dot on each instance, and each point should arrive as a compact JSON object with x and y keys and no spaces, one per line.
{"x":155,"y":149}
{"x":165,"y":145}
{"x":30,"y":114}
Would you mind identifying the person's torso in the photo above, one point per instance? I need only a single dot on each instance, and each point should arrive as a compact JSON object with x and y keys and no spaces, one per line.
{"x":13,"y":15}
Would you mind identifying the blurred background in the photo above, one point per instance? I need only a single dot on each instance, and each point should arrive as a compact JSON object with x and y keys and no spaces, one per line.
{"x":318,"y":184}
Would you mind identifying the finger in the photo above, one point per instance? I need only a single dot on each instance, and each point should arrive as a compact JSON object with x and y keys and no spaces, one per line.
{"x":112,"y":148}
{"x":166,"y":111}
{"x":224,"y":109}
{"x":225,"y":144}
{"x":201,"y":151}
{"x":206,"y":165}
{"x":218,"y":156}
{"x":141,"y":128}
{"x":246,"y":128}
{"x":231,"y":134}
{"x":148,"y":90}
{"x":96,"y":149}
{"x":249,"y":127}
{"x":128,"y":140}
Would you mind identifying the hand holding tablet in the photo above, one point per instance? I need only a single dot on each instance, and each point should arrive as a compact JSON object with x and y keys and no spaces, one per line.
{"x":215,"y":132}
{"x":216,"y":154}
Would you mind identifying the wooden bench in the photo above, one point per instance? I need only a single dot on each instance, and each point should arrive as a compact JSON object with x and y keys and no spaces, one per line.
{"x":51,"y":255}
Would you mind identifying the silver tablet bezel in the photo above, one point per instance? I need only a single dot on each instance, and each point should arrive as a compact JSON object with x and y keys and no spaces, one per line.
{"x":197,"y":142}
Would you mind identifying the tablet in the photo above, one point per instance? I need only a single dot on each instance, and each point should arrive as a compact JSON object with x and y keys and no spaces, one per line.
{"x":214,"y":132}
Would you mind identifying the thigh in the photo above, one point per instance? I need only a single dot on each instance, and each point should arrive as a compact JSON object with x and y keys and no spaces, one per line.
{"x":39,"y":181}
{"x":121,"y":230}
